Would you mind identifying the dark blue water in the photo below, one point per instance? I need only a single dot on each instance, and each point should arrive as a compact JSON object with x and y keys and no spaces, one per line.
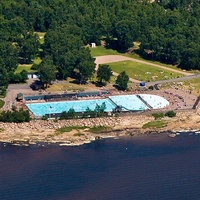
{"x":146,"y":167}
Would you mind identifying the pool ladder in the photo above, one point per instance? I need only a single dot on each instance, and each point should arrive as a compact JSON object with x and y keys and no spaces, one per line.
{"x":118,"y":105}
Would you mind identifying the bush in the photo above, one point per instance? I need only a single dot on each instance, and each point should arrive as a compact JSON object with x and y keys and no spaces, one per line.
{"x":15,"y":116}
{"x":158,"y":115}
{"x":71,"y":114}
{"x":154,"y":124}
{"x":35,"y":67}
{"x":89,"y":113}
{"x":170,"y":114}
{"x":99,"y":129}
{"x":151,"y":87}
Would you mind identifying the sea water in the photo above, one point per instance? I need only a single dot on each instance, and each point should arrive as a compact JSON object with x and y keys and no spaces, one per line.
{"x":143,"y":167}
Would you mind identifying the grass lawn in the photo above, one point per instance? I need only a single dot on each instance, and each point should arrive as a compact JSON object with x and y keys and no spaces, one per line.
{"x":99,"y":129}
{"x":193,"y":85}
{"x":41,"y":36}
{"x":154,"y":124}
{"x":22,"y":67}
{"x":136,"y":56}
{"x":101,"y":51}
{"x":143,"y":72}
{"x":28,"y":66}
{"x":1,"y":103}
{"x":37,"y":60}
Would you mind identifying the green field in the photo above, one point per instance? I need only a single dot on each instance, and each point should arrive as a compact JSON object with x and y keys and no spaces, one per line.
{"x":143,"y":72}
{"x":101,"y":51}
{"x":136,"y":56}
{"x":27,"y":67}
{"x":24,"y":67}
{"x":155,"y":124}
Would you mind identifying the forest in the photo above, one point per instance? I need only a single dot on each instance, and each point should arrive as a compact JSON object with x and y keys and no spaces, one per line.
{"x":167,"y":31}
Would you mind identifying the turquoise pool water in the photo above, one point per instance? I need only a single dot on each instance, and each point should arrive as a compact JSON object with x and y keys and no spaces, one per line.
{"x":128,"y":102}
{"x":40,"y":109}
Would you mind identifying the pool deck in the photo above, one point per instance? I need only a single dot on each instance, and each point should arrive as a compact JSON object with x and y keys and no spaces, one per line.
{"x":178,"y":98}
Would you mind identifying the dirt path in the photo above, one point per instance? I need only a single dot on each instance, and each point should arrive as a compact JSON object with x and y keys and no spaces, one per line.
{"x":118,"y":58}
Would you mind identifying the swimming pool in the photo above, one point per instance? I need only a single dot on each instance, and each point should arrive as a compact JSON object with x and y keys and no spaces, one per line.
{"x":129,"y":102}
{"x":126,"y":102}
{"x":155,"y":101}
{"x":41,"y":109}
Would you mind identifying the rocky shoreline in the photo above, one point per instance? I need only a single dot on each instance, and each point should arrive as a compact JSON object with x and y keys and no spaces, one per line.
{"x":45,"y":131}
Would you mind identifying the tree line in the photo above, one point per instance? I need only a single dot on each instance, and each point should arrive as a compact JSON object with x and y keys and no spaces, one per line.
{"x":167,"y":31}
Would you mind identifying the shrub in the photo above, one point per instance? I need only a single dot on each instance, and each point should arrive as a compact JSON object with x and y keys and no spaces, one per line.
{"x":154,"y":124}
{"x":99,"y":129}
{"x":151,"y":87}
{"x":35,"y":67}
{"x":63,"y":115}
{"x":158,"y":115}
{"x":71,"y":114}
{"x":170,"y":113}
{"x":89,"y":113}
{"x":15,"y":116}
{"x":44,"y":117}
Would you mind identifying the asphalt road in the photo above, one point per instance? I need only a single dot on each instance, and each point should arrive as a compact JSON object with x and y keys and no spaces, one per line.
{"x":184,"y":78}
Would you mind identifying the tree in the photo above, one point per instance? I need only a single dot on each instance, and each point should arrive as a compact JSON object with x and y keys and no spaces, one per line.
{"x":85,"y":65}
{"x":9,"y":56}
{"x":122,"y":80}
{"x":65,"y":51}
{"x":4,"y":77}
{"x":47,"y":71}
{"x":104,"y":73}
{"x":190,"y":58}
{"x":29,"y":47}
{"x":124,"y":35}
{"x":24,"y":75}
{"x":18,"y":77}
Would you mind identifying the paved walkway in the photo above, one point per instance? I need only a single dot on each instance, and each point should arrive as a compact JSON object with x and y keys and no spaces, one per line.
{"x":14,"y":89}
